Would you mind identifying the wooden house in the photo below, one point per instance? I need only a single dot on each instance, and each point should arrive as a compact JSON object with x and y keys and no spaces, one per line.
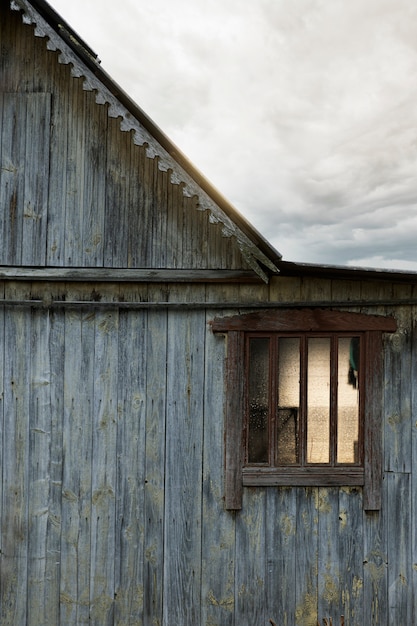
{"x":193,"y":430}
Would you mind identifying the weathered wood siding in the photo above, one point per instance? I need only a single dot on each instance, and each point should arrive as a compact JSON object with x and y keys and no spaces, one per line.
{"x":75,"y":189}
{"x":112,"y":505}
{"x":112,"y":418}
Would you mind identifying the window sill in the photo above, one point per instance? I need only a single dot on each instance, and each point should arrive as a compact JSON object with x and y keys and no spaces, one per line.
{"x":305,"y":477}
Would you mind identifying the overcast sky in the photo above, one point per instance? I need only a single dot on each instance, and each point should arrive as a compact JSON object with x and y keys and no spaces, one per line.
{"x":303,"y":113}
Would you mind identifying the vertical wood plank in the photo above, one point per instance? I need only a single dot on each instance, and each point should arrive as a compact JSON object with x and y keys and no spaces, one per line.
{"x":74,"y":169}
{"x":185,"y":392}
{"x":306,"y":557}
{"x":115,"y":250}
{"x":130,"y":512}
{"x":12,"y":180}
{"x":53,"y":536}
{"x":218,"y":557}
{"x":155,"y":353}
{"x":94,"y":184}
{"x":234,"y":421}
{"x":398,"y":395}
{"x":251,"y":559}
{"x":375,"y":582}
{"x":329,"y":574}
{"x":36,"y":164}
{"x":76,"y":481}
{"x":3,"y":439}
{"x":104,"y":434}
{"x":281,"y":546}
{"x":350,"y":557}
{"x":55,"y":255}
{"x":15,"y":526}
{"x":399,"y":549}
{"x":38,"y":485}
{"x":414,"y":450}
{"x":373,"y":422}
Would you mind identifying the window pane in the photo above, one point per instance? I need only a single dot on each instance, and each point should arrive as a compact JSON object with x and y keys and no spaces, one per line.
{"x":318,"y":400}
{"x":348,"y":401}
{"x":288,"y":401}
{"x":258,"y":393}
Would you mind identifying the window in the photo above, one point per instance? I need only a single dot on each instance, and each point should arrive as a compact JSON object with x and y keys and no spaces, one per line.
{"x":304,"y":400}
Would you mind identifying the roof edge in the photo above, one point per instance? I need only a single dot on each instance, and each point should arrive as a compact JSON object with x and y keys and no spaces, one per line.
{"x":345,"y":272}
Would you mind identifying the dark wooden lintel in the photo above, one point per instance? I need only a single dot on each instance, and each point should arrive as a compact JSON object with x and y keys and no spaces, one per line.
{"x":305,"y":320}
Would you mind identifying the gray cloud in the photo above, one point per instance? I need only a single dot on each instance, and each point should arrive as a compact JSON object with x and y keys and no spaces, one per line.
{"x":301,"y":113}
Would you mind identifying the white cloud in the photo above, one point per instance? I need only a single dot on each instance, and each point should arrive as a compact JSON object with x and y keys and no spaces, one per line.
{"x":302,"y":113}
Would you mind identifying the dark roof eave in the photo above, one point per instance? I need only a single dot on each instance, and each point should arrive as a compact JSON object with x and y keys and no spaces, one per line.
{"x":340,"y":272}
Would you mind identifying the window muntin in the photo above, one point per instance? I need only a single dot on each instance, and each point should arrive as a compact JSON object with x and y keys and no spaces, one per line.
{"x":303,"y":406}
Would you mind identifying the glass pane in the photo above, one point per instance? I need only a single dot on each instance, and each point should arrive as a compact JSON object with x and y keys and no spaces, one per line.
{"x":348,"y":401}
{"x":318,"y":400}
{"x":258,"y":393}
{"x":288,"y":401}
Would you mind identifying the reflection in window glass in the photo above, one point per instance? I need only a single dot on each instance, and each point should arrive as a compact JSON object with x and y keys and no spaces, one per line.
{"x":318,"y":400}
{"x":258,"y":396}
{"x":288,"y":401}
{"x":348,"y":401}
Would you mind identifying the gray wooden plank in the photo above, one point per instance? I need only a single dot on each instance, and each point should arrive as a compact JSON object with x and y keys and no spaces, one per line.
{"x":281,"y":546}
{"x":373,"y":427}
{"x":350,"y":557}
{"x":185,"y":392}
{"x":74,"y":168}
{"x":13,"y":143}
{"x":53,"y":536}
{"x":329,"y":574}
{"x":36,"y":183}
{"x":218,"y":534}
{"x":399,"y":548}
{"x":375,"y":580}
{"x":414,"y":460}
{"x":250,"y":583}
{"x":233,"y":408}
{"x":154,"y":351}
{"x":38,"y":482}
{"x":77,"y":466}
{"x":116,"y":223}
{"x":103,"y":462}
{"x":130,"y":511}
{"x":157,"y":230}
{"x":139,"y":207}
{"x":398,"y":395}
{"x":3,"y":426}
{"x":59,"y":137}
{"x":4,"y":169}
{"x":94,"y":184}
{"x":306,"y":557}
{"x":15,"y":526}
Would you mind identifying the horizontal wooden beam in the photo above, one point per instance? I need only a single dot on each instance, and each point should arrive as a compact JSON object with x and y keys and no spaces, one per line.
{"x":102,"y":274}
{"x":305,"y":320}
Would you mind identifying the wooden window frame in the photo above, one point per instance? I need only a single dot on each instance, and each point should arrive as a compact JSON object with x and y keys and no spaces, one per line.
{"x":368,"y":476}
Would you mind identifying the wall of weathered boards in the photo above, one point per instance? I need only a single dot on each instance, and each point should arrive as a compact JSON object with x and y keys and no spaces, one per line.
{"x":112,"y":389}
